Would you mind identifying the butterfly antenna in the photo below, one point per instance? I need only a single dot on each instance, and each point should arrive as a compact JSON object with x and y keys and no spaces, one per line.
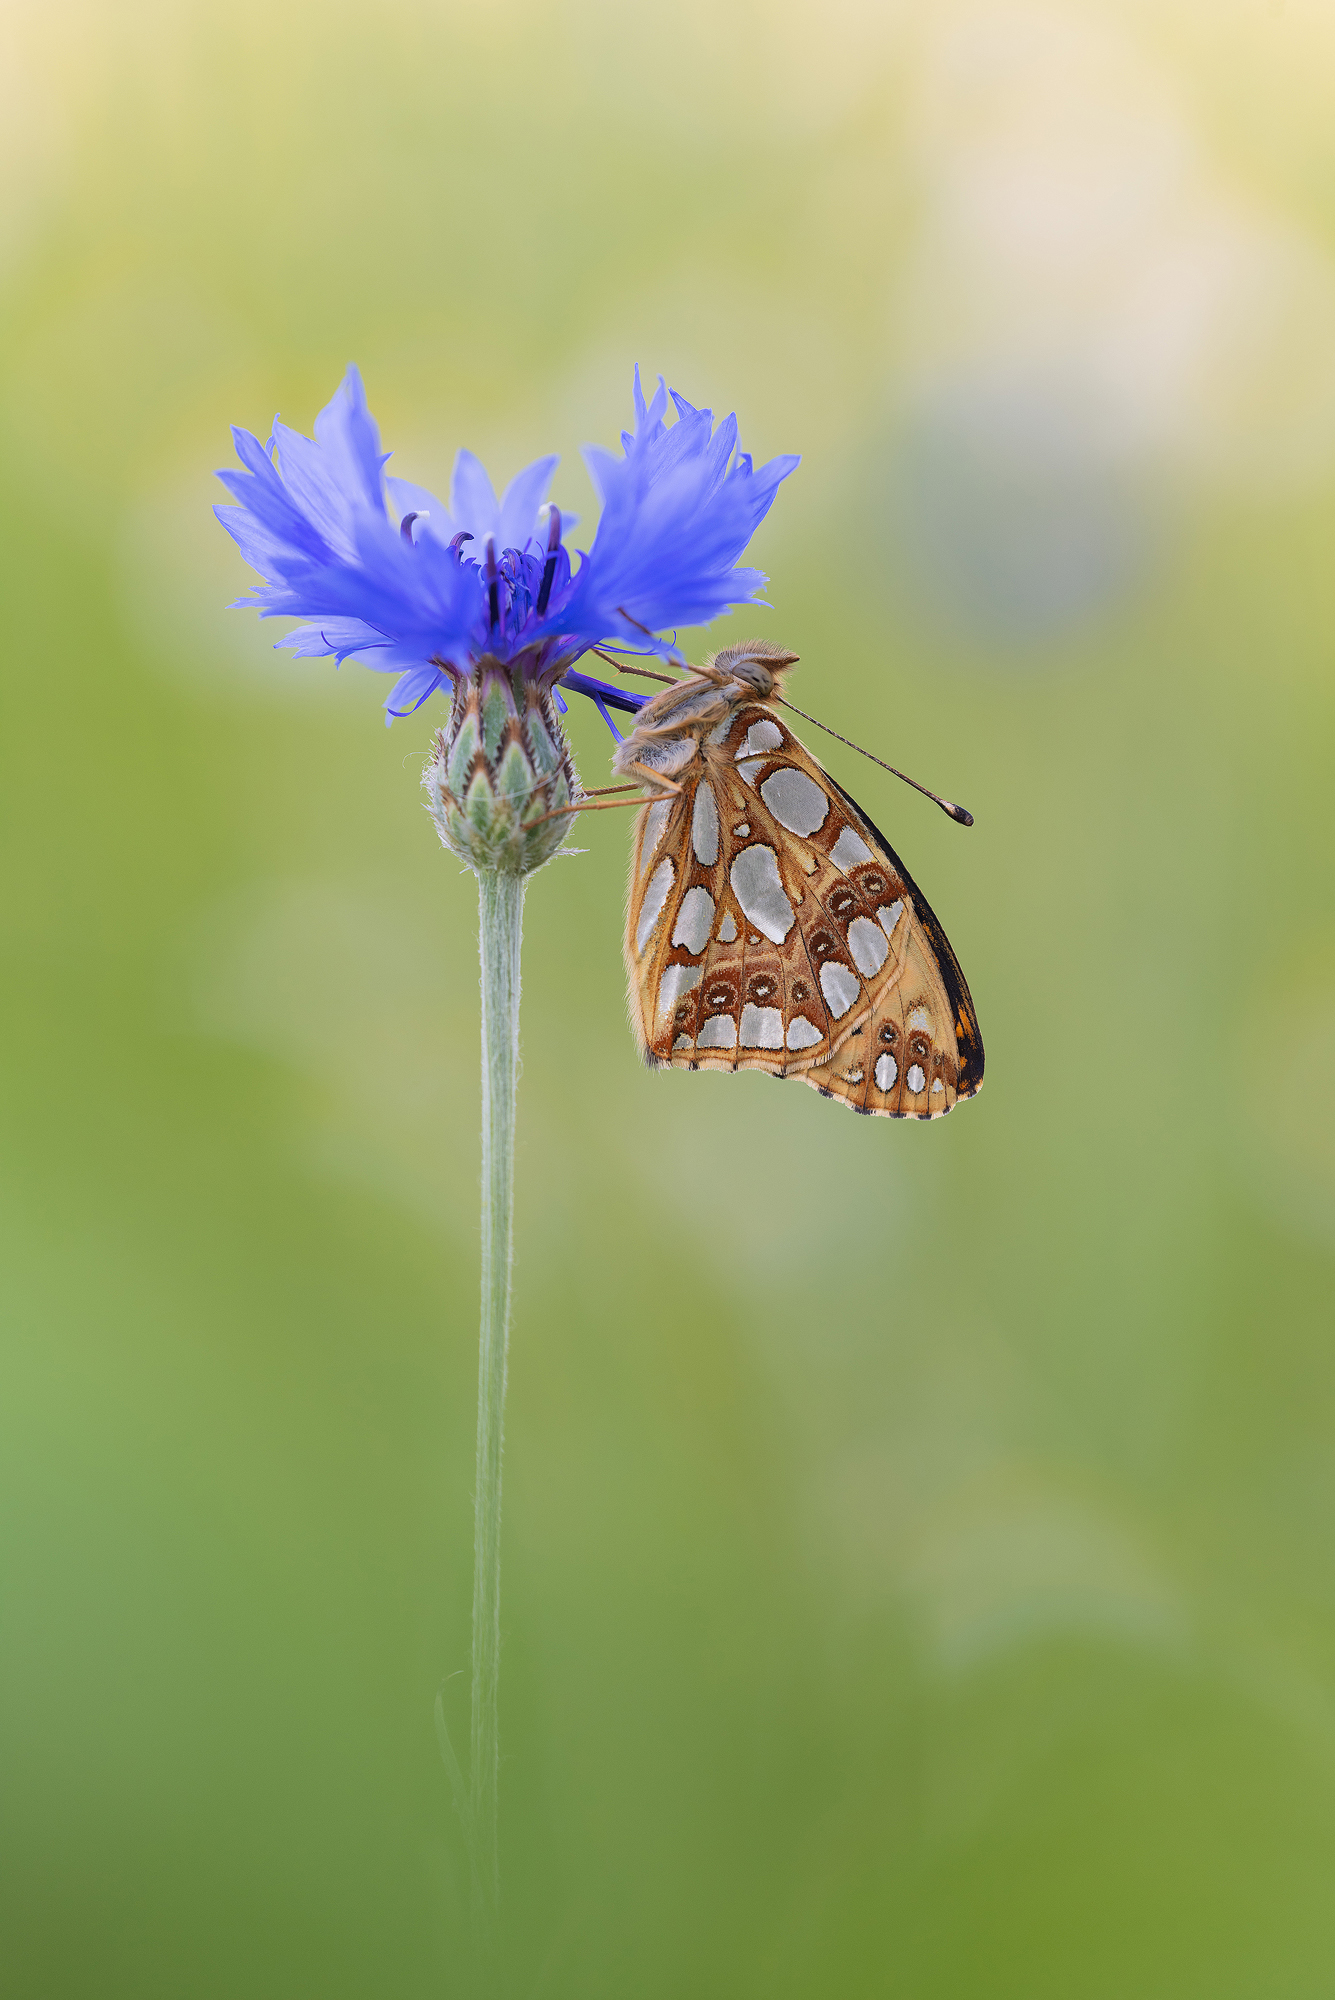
{"x":957,"y":813}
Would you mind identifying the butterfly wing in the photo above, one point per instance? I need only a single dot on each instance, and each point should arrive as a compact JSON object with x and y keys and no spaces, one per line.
{"x":733,"y":960}
{"x":772,"y":927}
{"x":921,"y":1051}
{"x":660,"y":860}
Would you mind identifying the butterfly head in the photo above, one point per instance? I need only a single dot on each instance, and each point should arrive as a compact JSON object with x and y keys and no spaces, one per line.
{"x":757,"y":663}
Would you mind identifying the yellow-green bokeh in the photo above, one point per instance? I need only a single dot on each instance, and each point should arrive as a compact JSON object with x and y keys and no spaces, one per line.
{"x":920,"y":1541}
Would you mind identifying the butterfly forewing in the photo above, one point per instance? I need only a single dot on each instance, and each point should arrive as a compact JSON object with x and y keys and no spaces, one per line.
{"x":738,"y":956}
{"x":772,"y":927}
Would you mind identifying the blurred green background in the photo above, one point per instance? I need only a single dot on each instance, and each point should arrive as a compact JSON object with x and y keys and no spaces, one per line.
{"x":919,"y":1540}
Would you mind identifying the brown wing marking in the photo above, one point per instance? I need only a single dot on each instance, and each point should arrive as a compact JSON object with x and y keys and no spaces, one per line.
{"x":659,"y":830}
{"x":781,"y":1004}
{"x":924,"y":1032}
{"x":724,"y":995}
{"x":966,"y":1034}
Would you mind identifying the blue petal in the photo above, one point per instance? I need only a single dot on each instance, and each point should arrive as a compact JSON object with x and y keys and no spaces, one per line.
{"x":518,"y":515}
{"x":603,"y":466}
{"x":309,"y":484}
{"x":339,"y":636}
{"x":473,"y":502}
{"x":678,"y":511}
{"x":411,"y":499}
{"x":411,"y":691}
{"x":313,"y":518}
{"x":258,"y":544}
{"x":349,"y":438}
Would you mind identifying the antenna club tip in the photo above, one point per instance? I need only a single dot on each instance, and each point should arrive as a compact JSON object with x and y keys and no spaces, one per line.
{"x":959,"y":813}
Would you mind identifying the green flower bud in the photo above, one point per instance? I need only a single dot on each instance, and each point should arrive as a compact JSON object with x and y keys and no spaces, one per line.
{"x":499,"y":770}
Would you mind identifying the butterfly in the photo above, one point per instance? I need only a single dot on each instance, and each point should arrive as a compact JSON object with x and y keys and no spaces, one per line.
{"x":770,"y":925}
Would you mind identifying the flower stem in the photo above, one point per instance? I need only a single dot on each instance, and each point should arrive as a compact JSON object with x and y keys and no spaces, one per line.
{"x":500,"y":933}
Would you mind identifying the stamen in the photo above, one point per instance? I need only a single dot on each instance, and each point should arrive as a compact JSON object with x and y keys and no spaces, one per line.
{"x":457,"y":541}
{"x":406,"y":526}
{"x":601,"y":706}
{"x":493,"y":584}
{"x":549,"y":567}
{"x":619,"y":698}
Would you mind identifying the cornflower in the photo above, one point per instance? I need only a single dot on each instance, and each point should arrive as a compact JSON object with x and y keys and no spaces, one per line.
{"x":480,"y":601}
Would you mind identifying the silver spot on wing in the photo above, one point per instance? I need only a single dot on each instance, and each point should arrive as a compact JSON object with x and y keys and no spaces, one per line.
{"x":653,"y":830}
{"x":867,"y":945}
{"x":704,"y":825}
{"x":695,"y":919}
{"x":761,"y":736}
{"x":756,"y":885}
{"x":849,"y":849}
{"x":678,"y":979}
{"x":840,"y":987}
{"x":795,"y":800}
{"x":762,"y":1027}
{"x":655,"y":895}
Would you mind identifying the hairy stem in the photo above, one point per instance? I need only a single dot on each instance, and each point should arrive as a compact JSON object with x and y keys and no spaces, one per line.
{"x":501,"y":907}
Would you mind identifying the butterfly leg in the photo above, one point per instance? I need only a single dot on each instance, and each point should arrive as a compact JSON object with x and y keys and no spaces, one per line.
{"x":661,"y":787}
{"x":654,"y":778}
{"x":601,"y":806}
